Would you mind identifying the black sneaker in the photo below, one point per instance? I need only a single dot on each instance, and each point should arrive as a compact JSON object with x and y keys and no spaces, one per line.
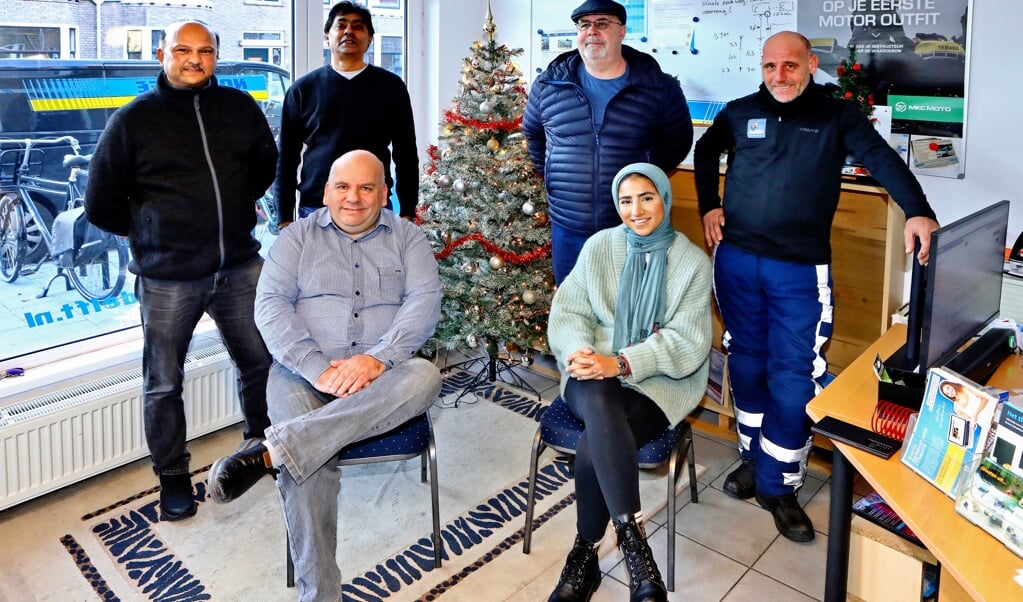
{"x":789,"y":518}
{"x":741,"y":483}
{"x":176,"y":499}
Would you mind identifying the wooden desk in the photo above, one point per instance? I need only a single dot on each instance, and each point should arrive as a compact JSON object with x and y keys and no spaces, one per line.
{"x":981,"y":564}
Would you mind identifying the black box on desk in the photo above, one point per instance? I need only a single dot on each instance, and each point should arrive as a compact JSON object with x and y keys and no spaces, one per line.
{"x":906,"y":387}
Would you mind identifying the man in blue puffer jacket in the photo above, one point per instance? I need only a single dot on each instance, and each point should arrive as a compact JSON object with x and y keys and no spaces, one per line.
{"x":592,"y":112}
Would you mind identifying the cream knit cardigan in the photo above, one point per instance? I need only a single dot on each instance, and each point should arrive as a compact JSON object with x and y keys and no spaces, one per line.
{"x":670,"y":366}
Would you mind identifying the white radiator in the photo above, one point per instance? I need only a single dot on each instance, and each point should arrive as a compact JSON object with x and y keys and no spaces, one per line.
{"x":62,"y":437}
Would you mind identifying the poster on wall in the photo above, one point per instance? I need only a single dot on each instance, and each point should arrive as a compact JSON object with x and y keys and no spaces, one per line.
{"x":915,"y":52}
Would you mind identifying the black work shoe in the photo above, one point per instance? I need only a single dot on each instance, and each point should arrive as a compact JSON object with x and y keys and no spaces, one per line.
{"x":581,"y":575}
{"x":233,"y":475}
{"x":176,"y":499}
{"x":789,"y":518}
{"x":741,"y":483}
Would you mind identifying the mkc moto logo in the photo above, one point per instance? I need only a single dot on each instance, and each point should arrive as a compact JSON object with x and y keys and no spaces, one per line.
{"x":902,"y":107}
{"x":927,"y":108}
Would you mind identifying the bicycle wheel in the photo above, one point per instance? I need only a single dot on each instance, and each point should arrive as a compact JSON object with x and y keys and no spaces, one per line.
{"x":266,"y":208}
{"x":35,"y":247}
{"x":12,"y":238}
{"x":102,"y":276}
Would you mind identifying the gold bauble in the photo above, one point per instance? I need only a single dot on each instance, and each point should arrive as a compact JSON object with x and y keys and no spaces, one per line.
{"x":496,"y":262}
{"x":540,"y":218}
{"x":493,"y":144}
{"x":529,"y":297}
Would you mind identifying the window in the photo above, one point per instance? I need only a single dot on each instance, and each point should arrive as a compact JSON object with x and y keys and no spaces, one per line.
{"x":63,"y":324}
{"x":133,"y":44}
{"x":263,"y":46}
{"x":23,"y":42}
{"x":391,"y":54}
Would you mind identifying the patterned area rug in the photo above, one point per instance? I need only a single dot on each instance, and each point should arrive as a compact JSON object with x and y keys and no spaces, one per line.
{"x":164,"y":561}
{"x":384,"y":546}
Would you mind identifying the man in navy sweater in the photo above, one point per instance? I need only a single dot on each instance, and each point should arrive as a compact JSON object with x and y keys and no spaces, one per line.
{"x":344,"y":106}
{"x":772,"y":260}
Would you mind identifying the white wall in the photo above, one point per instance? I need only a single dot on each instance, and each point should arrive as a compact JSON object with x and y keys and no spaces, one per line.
{"x":994,"y":144}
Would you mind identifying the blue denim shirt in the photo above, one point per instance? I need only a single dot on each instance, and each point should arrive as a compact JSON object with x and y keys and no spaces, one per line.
{"x":324,"y":296}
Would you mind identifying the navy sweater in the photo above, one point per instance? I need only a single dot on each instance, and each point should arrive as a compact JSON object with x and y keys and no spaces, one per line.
{"x":331,"y":115}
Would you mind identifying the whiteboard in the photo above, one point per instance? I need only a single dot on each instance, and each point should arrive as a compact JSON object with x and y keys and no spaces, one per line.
{"x":711,"y":46}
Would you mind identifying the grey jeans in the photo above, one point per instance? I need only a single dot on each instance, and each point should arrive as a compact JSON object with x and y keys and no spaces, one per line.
{"x":308,"y":430}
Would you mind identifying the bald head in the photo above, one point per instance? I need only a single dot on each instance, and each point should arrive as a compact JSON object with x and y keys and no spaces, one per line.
{"x":188,"y":54}
{"x":787,"y":65}
{"x":356,"y":192}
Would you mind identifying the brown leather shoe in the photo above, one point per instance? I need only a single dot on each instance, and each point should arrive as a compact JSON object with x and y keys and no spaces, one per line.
{"x":233,"y":475}
{"x":741,"y":483}
{"x":789,"y":518}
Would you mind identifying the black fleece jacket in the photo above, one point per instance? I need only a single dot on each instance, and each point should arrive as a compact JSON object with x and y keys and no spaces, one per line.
{"x":784,"y":171}
{"x":178,"y":172}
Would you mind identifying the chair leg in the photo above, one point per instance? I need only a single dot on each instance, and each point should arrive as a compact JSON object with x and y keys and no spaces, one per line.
{"x":291,"y":565}
{"x":534,"y":459}
{"x":691,"y":444}
{"x":673,"y":470}
{"x":422,"y":467}
{"x":435,"y":501}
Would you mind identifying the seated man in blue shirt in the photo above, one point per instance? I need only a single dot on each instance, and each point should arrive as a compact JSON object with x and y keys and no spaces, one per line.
{"x":345,"y":300}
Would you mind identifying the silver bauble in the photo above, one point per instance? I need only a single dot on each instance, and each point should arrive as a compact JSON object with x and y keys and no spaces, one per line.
{"x":459,"y":185}
{"x":443,"y":181}
{"x":486,"y":106}
{"x":528,"y":208}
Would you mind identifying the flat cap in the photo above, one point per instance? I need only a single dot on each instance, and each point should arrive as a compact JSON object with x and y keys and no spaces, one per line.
{"x":599,"y":7}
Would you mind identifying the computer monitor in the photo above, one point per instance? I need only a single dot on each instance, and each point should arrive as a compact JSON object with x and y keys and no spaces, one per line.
{"x":960,"y":289}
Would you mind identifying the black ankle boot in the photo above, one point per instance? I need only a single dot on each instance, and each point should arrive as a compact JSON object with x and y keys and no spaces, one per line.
{"x":644,"y":578}
{"x":581,"y":575}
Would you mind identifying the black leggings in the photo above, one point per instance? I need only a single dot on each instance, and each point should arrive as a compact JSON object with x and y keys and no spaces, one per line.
{"x":618,"y":422}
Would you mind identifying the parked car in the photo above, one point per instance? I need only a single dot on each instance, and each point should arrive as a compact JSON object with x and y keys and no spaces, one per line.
{"x":51,"y":98}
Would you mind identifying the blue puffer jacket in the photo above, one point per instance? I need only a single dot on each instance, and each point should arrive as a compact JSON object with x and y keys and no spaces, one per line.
{"x":648,"y":120}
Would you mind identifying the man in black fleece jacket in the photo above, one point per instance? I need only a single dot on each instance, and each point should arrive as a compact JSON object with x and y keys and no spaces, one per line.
{"x":177,"y":171}
{"x":772,"y":261}
{"x":340,"y":107}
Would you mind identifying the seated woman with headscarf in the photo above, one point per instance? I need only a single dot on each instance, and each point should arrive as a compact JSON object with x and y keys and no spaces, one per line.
{"x":631,"y":329}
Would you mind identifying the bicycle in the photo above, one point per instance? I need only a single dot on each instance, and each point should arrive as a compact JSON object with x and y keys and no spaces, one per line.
{"x":90,"y":260}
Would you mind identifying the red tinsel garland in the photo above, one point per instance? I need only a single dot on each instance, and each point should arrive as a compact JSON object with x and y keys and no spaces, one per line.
{"x":539,"y":253}
{"x":503,"y":126}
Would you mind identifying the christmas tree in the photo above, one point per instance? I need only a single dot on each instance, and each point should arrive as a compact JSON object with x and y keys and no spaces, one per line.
{"x":853,"y":85}
{"x":484,"y":210}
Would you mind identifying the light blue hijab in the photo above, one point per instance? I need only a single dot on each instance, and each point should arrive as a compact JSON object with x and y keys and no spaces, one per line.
{"x":641,"y":302}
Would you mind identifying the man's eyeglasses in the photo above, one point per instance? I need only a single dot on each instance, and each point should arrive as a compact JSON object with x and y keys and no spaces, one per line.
{"x":599,"y":24}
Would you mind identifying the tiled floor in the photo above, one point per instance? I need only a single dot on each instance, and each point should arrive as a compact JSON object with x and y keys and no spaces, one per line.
{"x":726,"y":549}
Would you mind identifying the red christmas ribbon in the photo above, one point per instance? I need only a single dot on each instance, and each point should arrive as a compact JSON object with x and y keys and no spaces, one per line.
{"x":505,"y":126}
{"x":518,"y":259}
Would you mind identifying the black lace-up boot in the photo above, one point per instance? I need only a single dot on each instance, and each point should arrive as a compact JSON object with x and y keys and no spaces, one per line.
{"x":581,"y":575}
{"x":644,"y":579}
